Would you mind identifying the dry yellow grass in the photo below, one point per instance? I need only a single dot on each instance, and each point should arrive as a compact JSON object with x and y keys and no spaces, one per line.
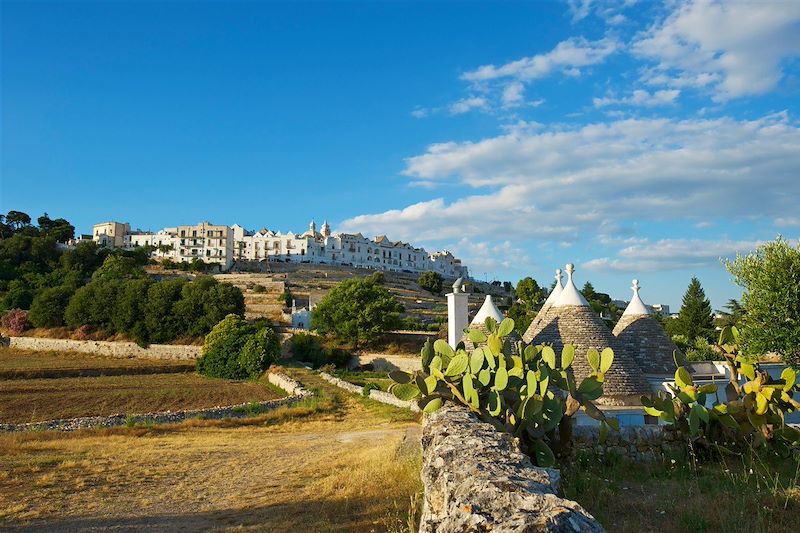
{"x":339,"y":464}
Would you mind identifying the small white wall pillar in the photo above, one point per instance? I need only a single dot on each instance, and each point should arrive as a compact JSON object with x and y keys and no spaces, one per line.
{"x":457,"y":313}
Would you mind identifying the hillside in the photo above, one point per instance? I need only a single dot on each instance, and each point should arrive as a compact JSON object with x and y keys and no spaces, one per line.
{"x":307,"y":281}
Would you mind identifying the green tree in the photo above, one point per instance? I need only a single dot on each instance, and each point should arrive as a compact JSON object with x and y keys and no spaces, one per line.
{"x":161,"y":320}
{"x":530,"y":293}
{"x":431,"y":282}
{"x":770,"y":277}
{"x":695,"y":318}
{"x":129,"y":309}
{"x":521,"y":316}
{"x":17,"y":219}
{"x":588,"y":291}
{"x":356,"y":310}
{"x":204,"y":302}
{"x":47,"y":309}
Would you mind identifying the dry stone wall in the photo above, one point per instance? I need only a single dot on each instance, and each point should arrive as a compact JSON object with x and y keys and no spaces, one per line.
{"x":478,"y":479}
{"x":377,"y":395}
{"x":640,"y":443}
{"x":107,"y":348}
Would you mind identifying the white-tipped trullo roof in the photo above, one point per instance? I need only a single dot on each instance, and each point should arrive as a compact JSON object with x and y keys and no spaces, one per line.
{"x":554,"y":294}
{"x":488,"y":309}
{"x":636,"y":307}
{"x":570,"y":294}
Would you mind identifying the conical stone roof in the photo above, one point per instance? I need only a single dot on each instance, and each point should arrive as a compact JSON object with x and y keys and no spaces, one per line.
{"x":640,"y":334}
{"x":572,"y":321}
{"x":544,"y":316}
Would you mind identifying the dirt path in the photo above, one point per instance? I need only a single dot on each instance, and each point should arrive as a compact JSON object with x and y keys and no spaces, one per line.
{"x":342,"y":464}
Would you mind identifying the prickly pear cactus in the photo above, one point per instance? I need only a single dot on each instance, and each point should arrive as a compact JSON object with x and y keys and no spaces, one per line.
{"x":528,"y":395}
{"x":750,"y":408}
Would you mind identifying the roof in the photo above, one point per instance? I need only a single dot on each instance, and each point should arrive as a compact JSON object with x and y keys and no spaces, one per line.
{"x":636,"y":307}
{"x":641,"y":335}
{"x":487,"y":310}
{"x":579,"y":325}
{"x":645,"y":339}
{"x":570,"y":294}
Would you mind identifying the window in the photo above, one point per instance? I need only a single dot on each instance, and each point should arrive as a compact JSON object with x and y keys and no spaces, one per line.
{"x":183,"y":233}
{"x":194,"y":233}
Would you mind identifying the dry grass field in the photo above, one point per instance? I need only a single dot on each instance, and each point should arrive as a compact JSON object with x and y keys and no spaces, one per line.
{"x":337,"y":462}
{"x":18,"y":364}
{"x":35,"y":400}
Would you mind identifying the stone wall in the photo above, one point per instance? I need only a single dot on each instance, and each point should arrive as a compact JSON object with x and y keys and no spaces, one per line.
{"x":377,"y":395}
{"x":107,"y":348}
{"x":478,"y":479}
{"x":640,"y":443}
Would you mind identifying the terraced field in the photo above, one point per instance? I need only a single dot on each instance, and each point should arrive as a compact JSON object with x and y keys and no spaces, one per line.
{"x":307,"y":282}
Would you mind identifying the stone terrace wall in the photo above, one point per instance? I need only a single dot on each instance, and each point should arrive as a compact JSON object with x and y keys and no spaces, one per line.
{"x":477,"y":479}
{"x":107,"y":348}
{"x":640,"y":443}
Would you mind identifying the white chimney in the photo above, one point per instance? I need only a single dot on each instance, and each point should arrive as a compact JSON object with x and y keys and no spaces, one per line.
{"x":457,"y":313}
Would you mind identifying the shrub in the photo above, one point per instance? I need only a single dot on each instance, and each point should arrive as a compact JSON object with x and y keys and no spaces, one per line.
{"x":257,"y":288}
{"x":309,"y":349}
{"x":369,"y":386}
{"x":15,"y":321}
{"x":530,"y":395}
{"x":47,"y":309}
{"x":259,"y":352}
{"x":235,"y":349}
{"x":431,"y":282}
{"x":83,"y":332}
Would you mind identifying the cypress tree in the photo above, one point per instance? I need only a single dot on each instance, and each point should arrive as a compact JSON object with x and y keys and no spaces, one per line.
{"x":695,"y":318}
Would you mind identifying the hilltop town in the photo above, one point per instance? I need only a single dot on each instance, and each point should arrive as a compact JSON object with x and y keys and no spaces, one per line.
{"x":222,"y":245}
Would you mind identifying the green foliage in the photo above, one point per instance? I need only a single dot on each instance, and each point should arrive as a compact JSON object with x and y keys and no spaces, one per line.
{"x":369,"y":386}
{"x":695,"y":318}
{"x":431,"y":282}
{"x":161,"y":320}
{"x":521,"y":317}
{"x":751,"y":415}
{"x":770,"y":277}
{"x":260,"y":351}
{"x":47,"y":309}
{"x":257,"y":288}
{"x":532,"y":396}
{"x":357,"y":310}
{"x":204,"y":302}
{"x":235,"y":349}
{"x":531,"y":294}
{"x":310,"y":349}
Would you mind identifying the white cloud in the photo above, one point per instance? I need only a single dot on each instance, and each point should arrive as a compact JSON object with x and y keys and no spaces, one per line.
{"x":738,"y":48}
{"x":513,"y":94}
{"x":569,"y":55}
{"x":787,"y":221}
{"x":672,"y":254}
{"x":567,"y":183}
{"x":467,"y":104}
{"x":642,"y":98}
{"x":420,"y":112}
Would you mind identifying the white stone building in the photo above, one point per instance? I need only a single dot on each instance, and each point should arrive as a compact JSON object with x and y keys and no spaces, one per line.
{"x":223,"y":245}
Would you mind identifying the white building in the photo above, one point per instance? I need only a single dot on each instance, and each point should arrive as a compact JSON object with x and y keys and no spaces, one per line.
{"x":223,"y":245}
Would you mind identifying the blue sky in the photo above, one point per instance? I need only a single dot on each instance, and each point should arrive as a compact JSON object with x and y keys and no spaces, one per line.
{"x":635,"y":139}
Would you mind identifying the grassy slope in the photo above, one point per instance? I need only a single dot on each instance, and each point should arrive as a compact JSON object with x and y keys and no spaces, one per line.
{"x":334,"y":463}
{"x":747,"y":494}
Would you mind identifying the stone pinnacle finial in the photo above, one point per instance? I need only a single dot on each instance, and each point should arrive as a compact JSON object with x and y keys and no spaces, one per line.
{"x":558,"y":275}
{"x":570,"y":270}
{"x":635,"y":286}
